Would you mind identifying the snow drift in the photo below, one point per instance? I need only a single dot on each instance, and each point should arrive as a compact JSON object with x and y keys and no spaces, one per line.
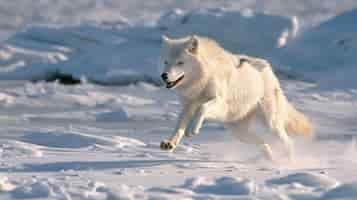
{"x":326,"y":53}
{"x":77,"y":140}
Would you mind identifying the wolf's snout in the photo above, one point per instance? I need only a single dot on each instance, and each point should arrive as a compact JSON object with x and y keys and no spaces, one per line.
{"x":165,"y":77}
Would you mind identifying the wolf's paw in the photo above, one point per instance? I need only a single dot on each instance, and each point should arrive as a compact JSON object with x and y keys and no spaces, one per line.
{"x":167,"y":145}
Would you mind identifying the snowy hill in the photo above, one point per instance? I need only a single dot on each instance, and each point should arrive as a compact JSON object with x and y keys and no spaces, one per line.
{"x":120,"y":53}
{"x":242,"y":32}
{"x":327,"y":53}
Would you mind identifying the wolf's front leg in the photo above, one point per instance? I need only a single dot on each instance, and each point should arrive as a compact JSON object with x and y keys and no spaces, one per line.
{"x":183,"y":122}
{"x":212,"y":109}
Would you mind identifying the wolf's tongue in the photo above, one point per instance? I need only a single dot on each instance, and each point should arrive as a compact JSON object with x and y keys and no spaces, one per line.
{"x":173,"y":83}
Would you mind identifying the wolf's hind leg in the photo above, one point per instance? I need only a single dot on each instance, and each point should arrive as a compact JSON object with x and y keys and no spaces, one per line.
{"x":274,"y":109}
{"x":288,"y":143}
{"x":272,"y":116}
{"x":250,"y":137}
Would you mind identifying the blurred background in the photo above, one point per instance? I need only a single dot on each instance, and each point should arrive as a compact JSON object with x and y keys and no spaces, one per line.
{"x":101,"y":40}
{"x":16,"y":14}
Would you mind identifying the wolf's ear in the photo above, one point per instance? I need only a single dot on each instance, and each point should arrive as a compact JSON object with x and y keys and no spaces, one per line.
{"x":193,"y":44}
{"x":165,"y":39}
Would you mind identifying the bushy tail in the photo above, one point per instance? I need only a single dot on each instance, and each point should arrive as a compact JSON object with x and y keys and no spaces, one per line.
{"x":297,"y":123}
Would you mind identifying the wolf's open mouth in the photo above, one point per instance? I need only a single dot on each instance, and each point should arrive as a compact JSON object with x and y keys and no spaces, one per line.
{"x":171,"y":84}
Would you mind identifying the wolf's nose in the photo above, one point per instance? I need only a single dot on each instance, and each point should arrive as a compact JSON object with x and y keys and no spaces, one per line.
{"x":164,"y":76}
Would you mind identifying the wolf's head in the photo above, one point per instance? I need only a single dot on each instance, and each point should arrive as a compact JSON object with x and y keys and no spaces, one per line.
{"x":179,"y":62}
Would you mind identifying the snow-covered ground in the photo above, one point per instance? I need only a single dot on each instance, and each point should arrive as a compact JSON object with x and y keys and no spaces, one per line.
{"x":94,"y":142}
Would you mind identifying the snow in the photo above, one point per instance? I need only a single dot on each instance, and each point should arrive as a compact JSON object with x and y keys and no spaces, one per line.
{"x":221,"y":186}
{"x":102,"y":53}
{"x":11,"y":148}
{"x":325,"y":50}
{"x":77,"y":140}
{"x":346,"y":191}
{"x":38,"y":189}
{"x":55,"y":148}
{"x":99,"y":140}
{"x":5,"y":185}
{"x":244,"y":30}
{"x":305,"y":179}
{"x":16,"y":14}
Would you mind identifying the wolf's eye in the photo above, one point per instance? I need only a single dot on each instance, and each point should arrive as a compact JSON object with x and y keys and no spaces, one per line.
{"x":179,"y":63}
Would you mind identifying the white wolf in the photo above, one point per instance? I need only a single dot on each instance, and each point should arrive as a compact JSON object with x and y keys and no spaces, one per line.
{"x":237,"y":90}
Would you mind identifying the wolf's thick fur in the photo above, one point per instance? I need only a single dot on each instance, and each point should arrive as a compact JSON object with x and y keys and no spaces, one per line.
{"x":237,"y":90}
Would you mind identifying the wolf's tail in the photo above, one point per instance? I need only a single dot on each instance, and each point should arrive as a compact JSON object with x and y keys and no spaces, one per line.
{"x":297,"y":123}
